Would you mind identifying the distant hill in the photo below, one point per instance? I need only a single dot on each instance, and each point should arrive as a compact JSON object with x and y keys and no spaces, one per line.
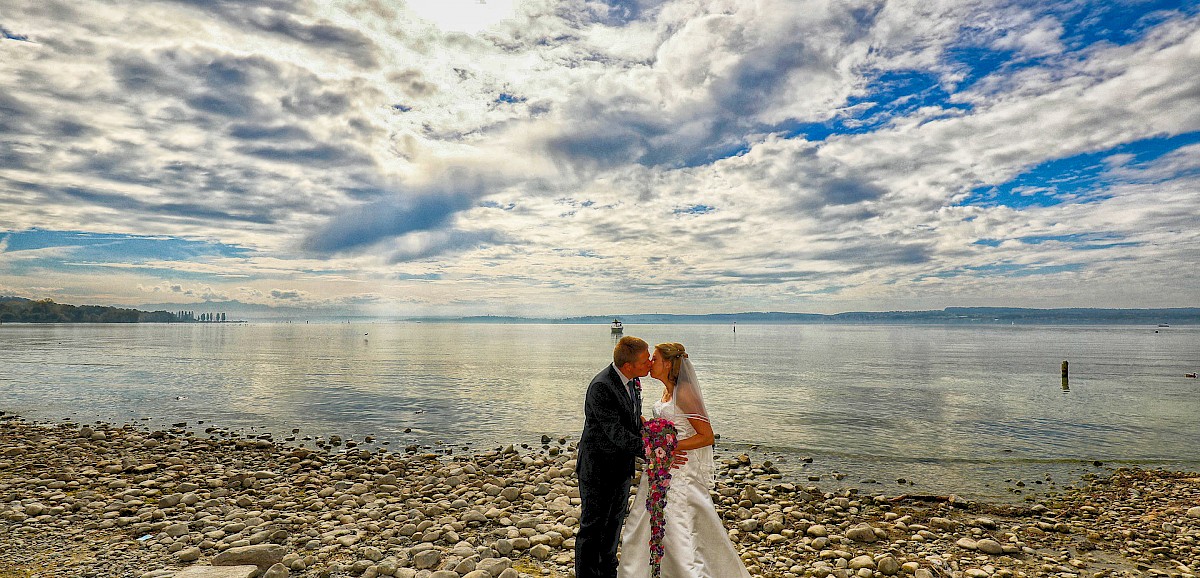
{"x":20,"y":310}
{"x":949,"y":315}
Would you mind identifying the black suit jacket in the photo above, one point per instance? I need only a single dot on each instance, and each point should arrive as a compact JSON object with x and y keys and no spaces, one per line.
{"x":612,"y":430}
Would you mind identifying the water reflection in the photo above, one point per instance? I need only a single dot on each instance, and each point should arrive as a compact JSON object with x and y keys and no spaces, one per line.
{"x":866,"y":401}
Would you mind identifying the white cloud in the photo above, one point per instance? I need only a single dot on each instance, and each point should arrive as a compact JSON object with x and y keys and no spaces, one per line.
{"x":547,"y":153}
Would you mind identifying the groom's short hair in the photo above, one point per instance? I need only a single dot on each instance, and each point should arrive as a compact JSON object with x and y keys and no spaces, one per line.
{"x":628,"y":349}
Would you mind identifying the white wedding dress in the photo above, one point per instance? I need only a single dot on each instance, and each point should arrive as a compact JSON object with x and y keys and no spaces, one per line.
{"x":695,"y":544}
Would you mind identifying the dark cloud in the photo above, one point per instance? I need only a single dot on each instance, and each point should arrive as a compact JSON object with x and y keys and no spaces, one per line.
{"x":278,"y":18}
{"x":847,"y":191}
{"x":413,"y":83}
{"x":225,"y":104}
{"x":15,"y":115}
{"x":763,"y":278}
{"x":268,"y":132}
{"x":312,"y":103}
{"x":71,"y":196}
{"x":446,"y":242}
{"x":876,"y":253}
{"x":321,"y":154}
{"x":599,"y":144}
{"x":628,"y":128}
{"x":206,"y":81}
{"x":71,"y":129}
{"x":372,"y":222}
{"x":346,"y":41}
{"x":243,"y":96}
{"x":10,"y":158}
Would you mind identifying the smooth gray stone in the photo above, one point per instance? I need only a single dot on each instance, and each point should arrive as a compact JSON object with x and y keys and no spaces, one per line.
{"x":888,"y":566}
{"x":245,"y":571}
{"x":861,"y":533}
{"x":276,"y":571}
{"x":990,"y":547}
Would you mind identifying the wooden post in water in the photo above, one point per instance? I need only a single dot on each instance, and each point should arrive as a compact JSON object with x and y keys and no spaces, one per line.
{"x":1064,"y":376}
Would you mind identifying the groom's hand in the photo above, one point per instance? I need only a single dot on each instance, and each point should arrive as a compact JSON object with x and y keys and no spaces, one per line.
{"x":678,"y":459}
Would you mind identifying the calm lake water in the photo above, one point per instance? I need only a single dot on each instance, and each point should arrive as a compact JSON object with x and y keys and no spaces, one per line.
{"x":969,"y":410}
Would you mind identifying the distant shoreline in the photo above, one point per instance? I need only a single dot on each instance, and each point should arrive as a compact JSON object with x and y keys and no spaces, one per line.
{"x":21,"y":310}
{"x":947,"y":316}
{"x":45,"y":311}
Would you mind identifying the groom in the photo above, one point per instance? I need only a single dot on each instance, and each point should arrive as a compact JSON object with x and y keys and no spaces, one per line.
{"x":611,"y":440}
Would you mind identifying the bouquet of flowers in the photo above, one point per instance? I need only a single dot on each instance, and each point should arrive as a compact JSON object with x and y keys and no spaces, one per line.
{"x":658,"y":441}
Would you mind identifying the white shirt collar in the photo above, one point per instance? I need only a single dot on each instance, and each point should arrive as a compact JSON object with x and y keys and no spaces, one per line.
{"x":624,"y":380}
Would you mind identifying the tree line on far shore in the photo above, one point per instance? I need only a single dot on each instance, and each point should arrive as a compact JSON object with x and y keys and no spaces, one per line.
{"x":18,"y":310}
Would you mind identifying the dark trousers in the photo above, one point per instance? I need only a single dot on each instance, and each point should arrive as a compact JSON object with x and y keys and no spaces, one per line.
{"x":602,"y":514}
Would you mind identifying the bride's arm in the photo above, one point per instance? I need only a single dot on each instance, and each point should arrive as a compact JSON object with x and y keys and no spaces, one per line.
{"x":703,"y":437}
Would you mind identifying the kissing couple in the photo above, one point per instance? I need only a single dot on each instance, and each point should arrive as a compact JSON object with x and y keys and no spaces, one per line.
{"x":695,"y":543}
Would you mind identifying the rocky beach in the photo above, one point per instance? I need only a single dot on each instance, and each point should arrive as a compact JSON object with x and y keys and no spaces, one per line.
{"x":105,"y":500}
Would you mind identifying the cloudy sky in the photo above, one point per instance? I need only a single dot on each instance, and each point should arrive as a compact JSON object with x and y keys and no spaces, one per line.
{"x":571,"y":157}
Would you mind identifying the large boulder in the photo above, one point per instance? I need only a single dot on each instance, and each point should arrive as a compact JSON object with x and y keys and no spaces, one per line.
{"x":862,"y":533}
{"x":261,"y":555}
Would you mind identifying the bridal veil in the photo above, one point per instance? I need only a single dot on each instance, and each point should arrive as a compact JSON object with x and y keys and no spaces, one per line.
{"x":690,"y":402}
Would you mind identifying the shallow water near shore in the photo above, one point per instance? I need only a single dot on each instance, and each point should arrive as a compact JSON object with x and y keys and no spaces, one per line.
{"x":971,"y":410}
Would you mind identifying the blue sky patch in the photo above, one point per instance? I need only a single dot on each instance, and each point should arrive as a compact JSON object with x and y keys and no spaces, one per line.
{"x":1077,"y":178}
{"x":889,"y":95}
{"x":9,"y":35}
{"x":1083,"y":25}
{"x":1073,"y":238}
{"x":1004,"y":270}
{"x":898,"y":93}
{"x":1082,"y":241}
{"x":118,"y":248}
{"x":1113,"y":22}
{"x":694,"y":210}
{"x":416,"y":277}
{"x":977,"y":62}
{"x":1075,"y":242}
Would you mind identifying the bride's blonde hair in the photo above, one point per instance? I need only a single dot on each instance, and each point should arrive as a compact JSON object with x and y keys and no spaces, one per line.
{"x":675,"y":353}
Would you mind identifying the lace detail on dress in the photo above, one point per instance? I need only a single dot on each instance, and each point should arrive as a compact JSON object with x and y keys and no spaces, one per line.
{"x":667,"y":410}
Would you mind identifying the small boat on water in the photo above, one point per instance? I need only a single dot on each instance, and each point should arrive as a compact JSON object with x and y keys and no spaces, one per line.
{"x":617,"y":327}
{"x":1163,"y":325}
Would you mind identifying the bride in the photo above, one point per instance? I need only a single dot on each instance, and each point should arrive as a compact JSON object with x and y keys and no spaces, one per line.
{"x":696,"y":544}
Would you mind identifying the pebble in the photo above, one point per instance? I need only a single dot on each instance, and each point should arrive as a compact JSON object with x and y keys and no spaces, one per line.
{"x":122,"y":501}
{"x":988,"y":546}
